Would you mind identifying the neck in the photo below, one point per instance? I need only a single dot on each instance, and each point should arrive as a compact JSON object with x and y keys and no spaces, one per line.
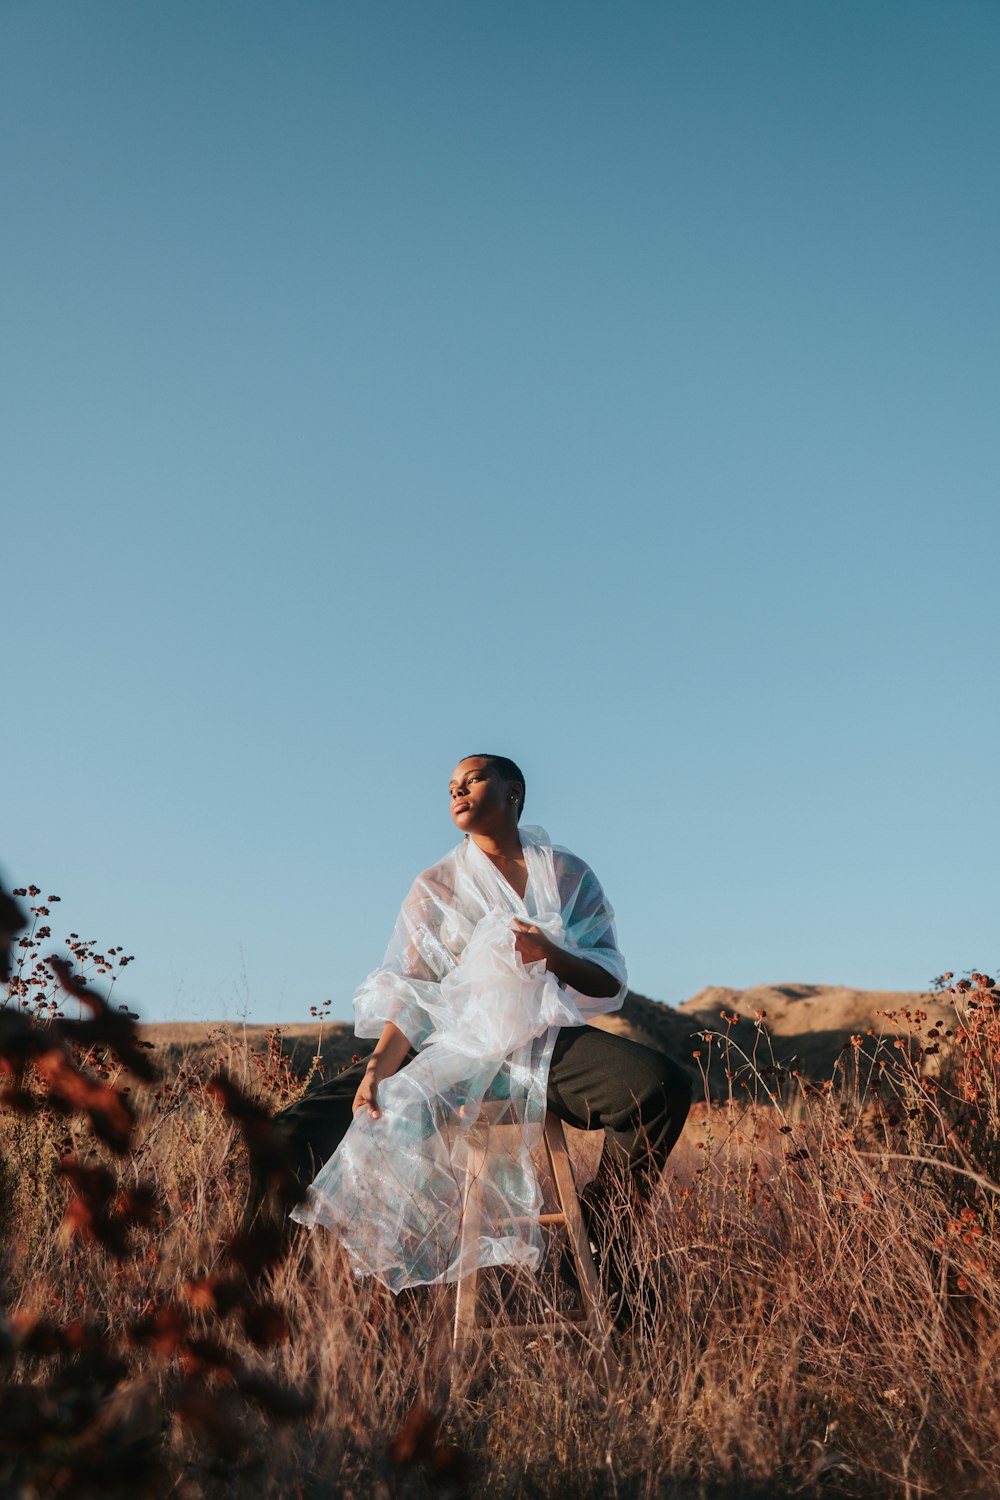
{"x":505,"y":845}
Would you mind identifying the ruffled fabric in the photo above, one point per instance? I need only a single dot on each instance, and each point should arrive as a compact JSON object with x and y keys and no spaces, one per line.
{"x":484,"y":1024}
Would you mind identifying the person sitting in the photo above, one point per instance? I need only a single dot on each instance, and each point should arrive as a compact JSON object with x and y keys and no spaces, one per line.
{"x":501,"y":953}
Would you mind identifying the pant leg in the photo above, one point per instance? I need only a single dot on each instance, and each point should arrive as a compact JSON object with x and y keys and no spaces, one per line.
{"x":597,"y":1080}
{"x":311,"y":1129}
{"x":640,"y":1098}
{"x":637,"y":1095}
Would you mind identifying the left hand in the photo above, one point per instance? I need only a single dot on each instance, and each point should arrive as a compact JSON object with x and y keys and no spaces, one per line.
{"x":531,"y":943}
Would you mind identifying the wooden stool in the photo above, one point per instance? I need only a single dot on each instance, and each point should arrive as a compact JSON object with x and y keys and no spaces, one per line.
{"x":592,"y":1312}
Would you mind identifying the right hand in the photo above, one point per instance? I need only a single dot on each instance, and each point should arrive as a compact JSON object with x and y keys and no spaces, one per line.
{"x":367,"y":1095}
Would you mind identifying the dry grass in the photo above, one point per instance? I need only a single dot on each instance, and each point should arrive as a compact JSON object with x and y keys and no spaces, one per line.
{"x":817,"y":1302}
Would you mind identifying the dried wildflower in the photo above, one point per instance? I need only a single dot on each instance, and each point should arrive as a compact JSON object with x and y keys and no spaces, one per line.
{"x":206,"y":1356}
{"x":161,"y":1329}
{"x":418,"y":1442}
{"x":218,"y":1294}
{"x":264,"y":1324}
{"x":283,"y":1402}
{"x":111,"y":1116}
{"x":215,"y":1415}
{"x":105,"y":1027}
{"x":256,"y":1250}
{"x":269,"y":1152}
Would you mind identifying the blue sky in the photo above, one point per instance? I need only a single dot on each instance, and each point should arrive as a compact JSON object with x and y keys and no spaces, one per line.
{"x":611,"y":387}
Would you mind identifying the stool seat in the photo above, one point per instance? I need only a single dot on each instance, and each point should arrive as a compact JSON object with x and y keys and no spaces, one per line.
{"x":495,"y":1115}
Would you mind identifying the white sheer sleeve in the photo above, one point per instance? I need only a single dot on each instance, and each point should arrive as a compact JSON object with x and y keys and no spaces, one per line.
{"x":404,"y":989}
{"x":589,"y":930}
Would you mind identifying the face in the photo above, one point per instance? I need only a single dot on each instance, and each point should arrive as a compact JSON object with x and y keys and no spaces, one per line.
{"x":480,"y":797}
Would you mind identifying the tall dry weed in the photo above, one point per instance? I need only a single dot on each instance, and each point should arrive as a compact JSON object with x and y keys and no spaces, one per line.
{"x":815,"y":1290}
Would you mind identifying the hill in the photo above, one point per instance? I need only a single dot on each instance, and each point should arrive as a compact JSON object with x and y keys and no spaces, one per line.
{"x":808,"y":1025}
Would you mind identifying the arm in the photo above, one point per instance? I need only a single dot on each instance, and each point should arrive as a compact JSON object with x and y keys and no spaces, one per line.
{"x":415,"y":963}
{"x":582,"y":975}
{"x":392,"y":1047}
{"x":585,"y":957}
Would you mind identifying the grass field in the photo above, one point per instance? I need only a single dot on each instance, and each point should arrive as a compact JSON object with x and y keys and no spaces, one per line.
{"x":819,"y":1281}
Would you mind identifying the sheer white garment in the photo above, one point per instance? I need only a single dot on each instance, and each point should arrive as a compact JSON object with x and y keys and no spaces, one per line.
{"x":485,"y":1025}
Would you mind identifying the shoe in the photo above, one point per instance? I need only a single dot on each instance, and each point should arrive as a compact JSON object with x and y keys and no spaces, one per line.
{"x":602,"y":1250}
{"x":567,"y":1265}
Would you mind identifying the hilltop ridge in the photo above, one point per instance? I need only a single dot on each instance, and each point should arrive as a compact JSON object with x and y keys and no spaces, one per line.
{"x":808,"y":1024}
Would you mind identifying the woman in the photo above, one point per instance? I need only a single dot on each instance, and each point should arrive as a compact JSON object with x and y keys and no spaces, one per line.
{"x":501,"y":952}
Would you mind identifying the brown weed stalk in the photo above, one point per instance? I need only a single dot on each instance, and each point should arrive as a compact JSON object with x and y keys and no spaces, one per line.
{"x":814,"y":1290}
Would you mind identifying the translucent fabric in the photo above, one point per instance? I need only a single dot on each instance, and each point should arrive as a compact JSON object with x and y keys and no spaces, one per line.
{"x":484,"y":1024}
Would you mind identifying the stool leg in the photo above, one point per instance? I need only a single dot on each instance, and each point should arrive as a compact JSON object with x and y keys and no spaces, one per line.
{"x":569,"y":1202}
{"x":467,"y":1290}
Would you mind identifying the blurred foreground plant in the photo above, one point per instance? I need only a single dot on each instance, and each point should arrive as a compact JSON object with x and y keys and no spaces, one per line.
{"x":88,"y":1405}
{"x":816,"y":1289}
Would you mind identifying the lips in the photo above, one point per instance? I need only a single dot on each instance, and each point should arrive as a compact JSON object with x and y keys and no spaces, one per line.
{"x":460,"y":807}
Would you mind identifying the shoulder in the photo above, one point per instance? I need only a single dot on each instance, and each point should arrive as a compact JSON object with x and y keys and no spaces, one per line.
{"x":572,"y":872}
{"x":572,"y":864}
{"x":438,"y":879}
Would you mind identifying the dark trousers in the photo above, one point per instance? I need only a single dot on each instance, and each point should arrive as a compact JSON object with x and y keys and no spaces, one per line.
{"x":597,"y":1081}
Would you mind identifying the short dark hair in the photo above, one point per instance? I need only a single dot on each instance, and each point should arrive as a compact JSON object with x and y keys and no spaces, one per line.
{"x":509,"y":770}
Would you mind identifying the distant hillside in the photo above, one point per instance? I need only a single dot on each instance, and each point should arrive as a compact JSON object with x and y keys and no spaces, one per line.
{"x":808,"y":1025}
{"x":192,"y":1040}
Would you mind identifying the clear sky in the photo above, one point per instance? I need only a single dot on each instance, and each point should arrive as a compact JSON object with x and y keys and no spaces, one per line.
{"x":613,"y":387}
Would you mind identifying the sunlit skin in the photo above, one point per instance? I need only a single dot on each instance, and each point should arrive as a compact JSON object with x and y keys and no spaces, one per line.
{"x":485,"y":806}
